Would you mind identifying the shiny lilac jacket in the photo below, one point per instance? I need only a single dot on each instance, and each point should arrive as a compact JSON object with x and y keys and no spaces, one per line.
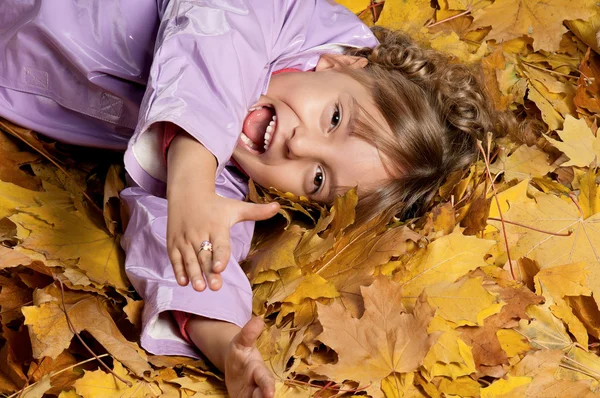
{"x":106,"y":73}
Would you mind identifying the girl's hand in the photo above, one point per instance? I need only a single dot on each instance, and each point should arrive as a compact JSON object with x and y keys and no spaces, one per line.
{"x":246,"y":374}
{"x":194,"y":216}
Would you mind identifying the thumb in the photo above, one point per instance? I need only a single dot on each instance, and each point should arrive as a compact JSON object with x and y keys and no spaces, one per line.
{"x":249,"y":334}
{"x":256,"y":212}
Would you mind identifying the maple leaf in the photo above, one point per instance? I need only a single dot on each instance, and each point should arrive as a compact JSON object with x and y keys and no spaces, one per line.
{"x":541,"y":366}
{"x":407,"y":16}
{"x":62,"y":233}
{"x":352,"y":260}
{"x":386,"y":339}
{"x":50,"y":332}
{"x":11,"y":159}
{"x":543,"y":21}
{"x":524,"y":163}
{"x":101,"y":384}
{"x":578,"y":143}
{"x":461,"y":302}
{"x":556,"y":216}
{"x":443,"y":260}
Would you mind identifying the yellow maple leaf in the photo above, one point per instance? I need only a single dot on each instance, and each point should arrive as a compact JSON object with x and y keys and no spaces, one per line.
{"x":63,"y":233}
{"x":505,"y":387}
{"x":578,"y":143}
{"x":409,"y":16}
{"x":450,"y":43}
{"x":460,"y":302}
{"x":563,"y":236}
{"x":589,"y":194}
{"x":101,"y":384}
{"x":355,"y":6}
{"x":444,"y":260}
{"x":543,"y":21}
{"x":449,"y":356}
{"x":385,"y":340}
{"x":524,"y":163}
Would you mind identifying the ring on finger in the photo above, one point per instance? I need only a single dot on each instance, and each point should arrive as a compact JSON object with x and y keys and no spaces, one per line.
{"x":205,"y":246}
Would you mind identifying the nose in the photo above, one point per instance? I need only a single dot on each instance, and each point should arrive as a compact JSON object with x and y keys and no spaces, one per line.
{"x":304,"y":143}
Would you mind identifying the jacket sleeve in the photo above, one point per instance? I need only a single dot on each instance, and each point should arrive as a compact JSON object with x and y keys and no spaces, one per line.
{"x":212,"y":61}
{"x":150,"y":272}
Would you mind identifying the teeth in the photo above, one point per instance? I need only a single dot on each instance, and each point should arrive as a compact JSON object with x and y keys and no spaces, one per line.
{"x":269,"y":132}
{"x":248,"y":141}
{"x":255,"y":108}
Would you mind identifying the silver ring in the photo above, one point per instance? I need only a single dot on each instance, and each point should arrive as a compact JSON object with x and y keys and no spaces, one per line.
{"x":205,"y":245}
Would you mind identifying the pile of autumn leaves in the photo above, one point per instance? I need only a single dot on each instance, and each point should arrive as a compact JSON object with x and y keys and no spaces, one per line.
{"x":495,"y":292}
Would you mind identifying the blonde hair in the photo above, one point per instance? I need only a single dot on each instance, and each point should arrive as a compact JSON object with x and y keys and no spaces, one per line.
{"x":436,"y":111}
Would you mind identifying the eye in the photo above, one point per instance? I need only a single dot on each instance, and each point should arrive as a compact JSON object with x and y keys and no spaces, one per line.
{"x":336,"y":117}
{"x":318,"y":180}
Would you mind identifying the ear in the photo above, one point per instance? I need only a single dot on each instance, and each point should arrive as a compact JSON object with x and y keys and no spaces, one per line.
{"x":335,"y":61}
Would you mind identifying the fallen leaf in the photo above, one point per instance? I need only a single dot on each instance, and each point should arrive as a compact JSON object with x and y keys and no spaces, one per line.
{"x":578,"y":143}
{"x":543,"y":22}
{"x":386,"y":339}
{"x":101,"y":384}
{"x":444,"y":260}
{"x":50,"y":332}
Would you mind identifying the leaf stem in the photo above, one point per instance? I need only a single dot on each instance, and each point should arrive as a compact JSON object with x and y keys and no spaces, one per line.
{"x":550,"y":70}
{"x":532,"y":228}
{"x":486,"y":160}
{"x":466,"y":12}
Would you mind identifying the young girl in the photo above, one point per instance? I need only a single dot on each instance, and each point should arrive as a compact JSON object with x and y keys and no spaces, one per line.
{"x":295,"y":94}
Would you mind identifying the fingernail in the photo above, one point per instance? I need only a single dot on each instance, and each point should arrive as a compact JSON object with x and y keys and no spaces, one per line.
{"x":198,"y":283}
{"x":182,"y":279}
{"x":214,"y":282}
{"x":217,"y":265}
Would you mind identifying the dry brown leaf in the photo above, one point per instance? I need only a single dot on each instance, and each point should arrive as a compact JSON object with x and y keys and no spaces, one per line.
{"x":50,"y":332}
{"x":543,"y":22}
{"x":386,"y":339}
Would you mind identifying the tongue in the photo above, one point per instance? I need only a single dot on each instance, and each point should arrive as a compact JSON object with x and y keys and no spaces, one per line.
{"x":256,"y":123}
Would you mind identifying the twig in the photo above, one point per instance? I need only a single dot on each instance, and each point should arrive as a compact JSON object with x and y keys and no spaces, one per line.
{"x":489,"y":173}
{"x":532,"y":228}
{"x":62,"y":294}
{"x":466,"y":12}
{"x":552,"y":71}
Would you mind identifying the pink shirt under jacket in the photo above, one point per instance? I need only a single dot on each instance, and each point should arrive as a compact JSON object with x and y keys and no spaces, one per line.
{"x":107,"y":73}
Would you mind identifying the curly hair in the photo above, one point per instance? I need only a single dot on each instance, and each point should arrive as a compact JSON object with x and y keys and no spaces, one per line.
{"x":437,"y":110}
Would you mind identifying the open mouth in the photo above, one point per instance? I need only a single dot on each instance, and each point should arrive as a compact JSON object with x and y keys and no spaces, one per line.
{"x":258,"y":129}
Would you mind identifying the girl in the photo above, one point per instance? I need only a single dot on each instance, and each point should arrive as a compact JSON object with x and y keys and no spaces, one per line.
{"x":296,"y":94}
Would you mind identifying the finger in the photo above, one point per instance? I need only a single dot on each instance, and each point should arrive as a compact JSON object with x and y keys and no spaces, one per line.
{"x":213,"y":281}
{"x":249,"y":333}
{"x":257,"y":393}
{"x":192,"y":267}
{"x":221,"y":251}
{"x":178,"y":268}
{"x":265,"y":381}
{"x":256,"y":212}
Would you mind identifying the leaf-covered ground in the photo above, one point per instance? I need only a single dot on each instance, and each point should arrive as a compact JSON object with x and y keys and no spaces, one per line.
{"x":495,"y":292}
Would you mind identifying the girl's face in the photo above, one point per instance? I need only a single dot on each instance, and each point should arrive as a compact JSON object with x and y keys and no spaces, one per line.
{"x":305,"y":124}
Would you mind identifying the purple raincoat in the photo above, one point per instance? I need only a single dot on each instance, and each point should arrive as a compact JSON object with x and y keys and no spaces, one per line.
{"x":107,"y":73}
